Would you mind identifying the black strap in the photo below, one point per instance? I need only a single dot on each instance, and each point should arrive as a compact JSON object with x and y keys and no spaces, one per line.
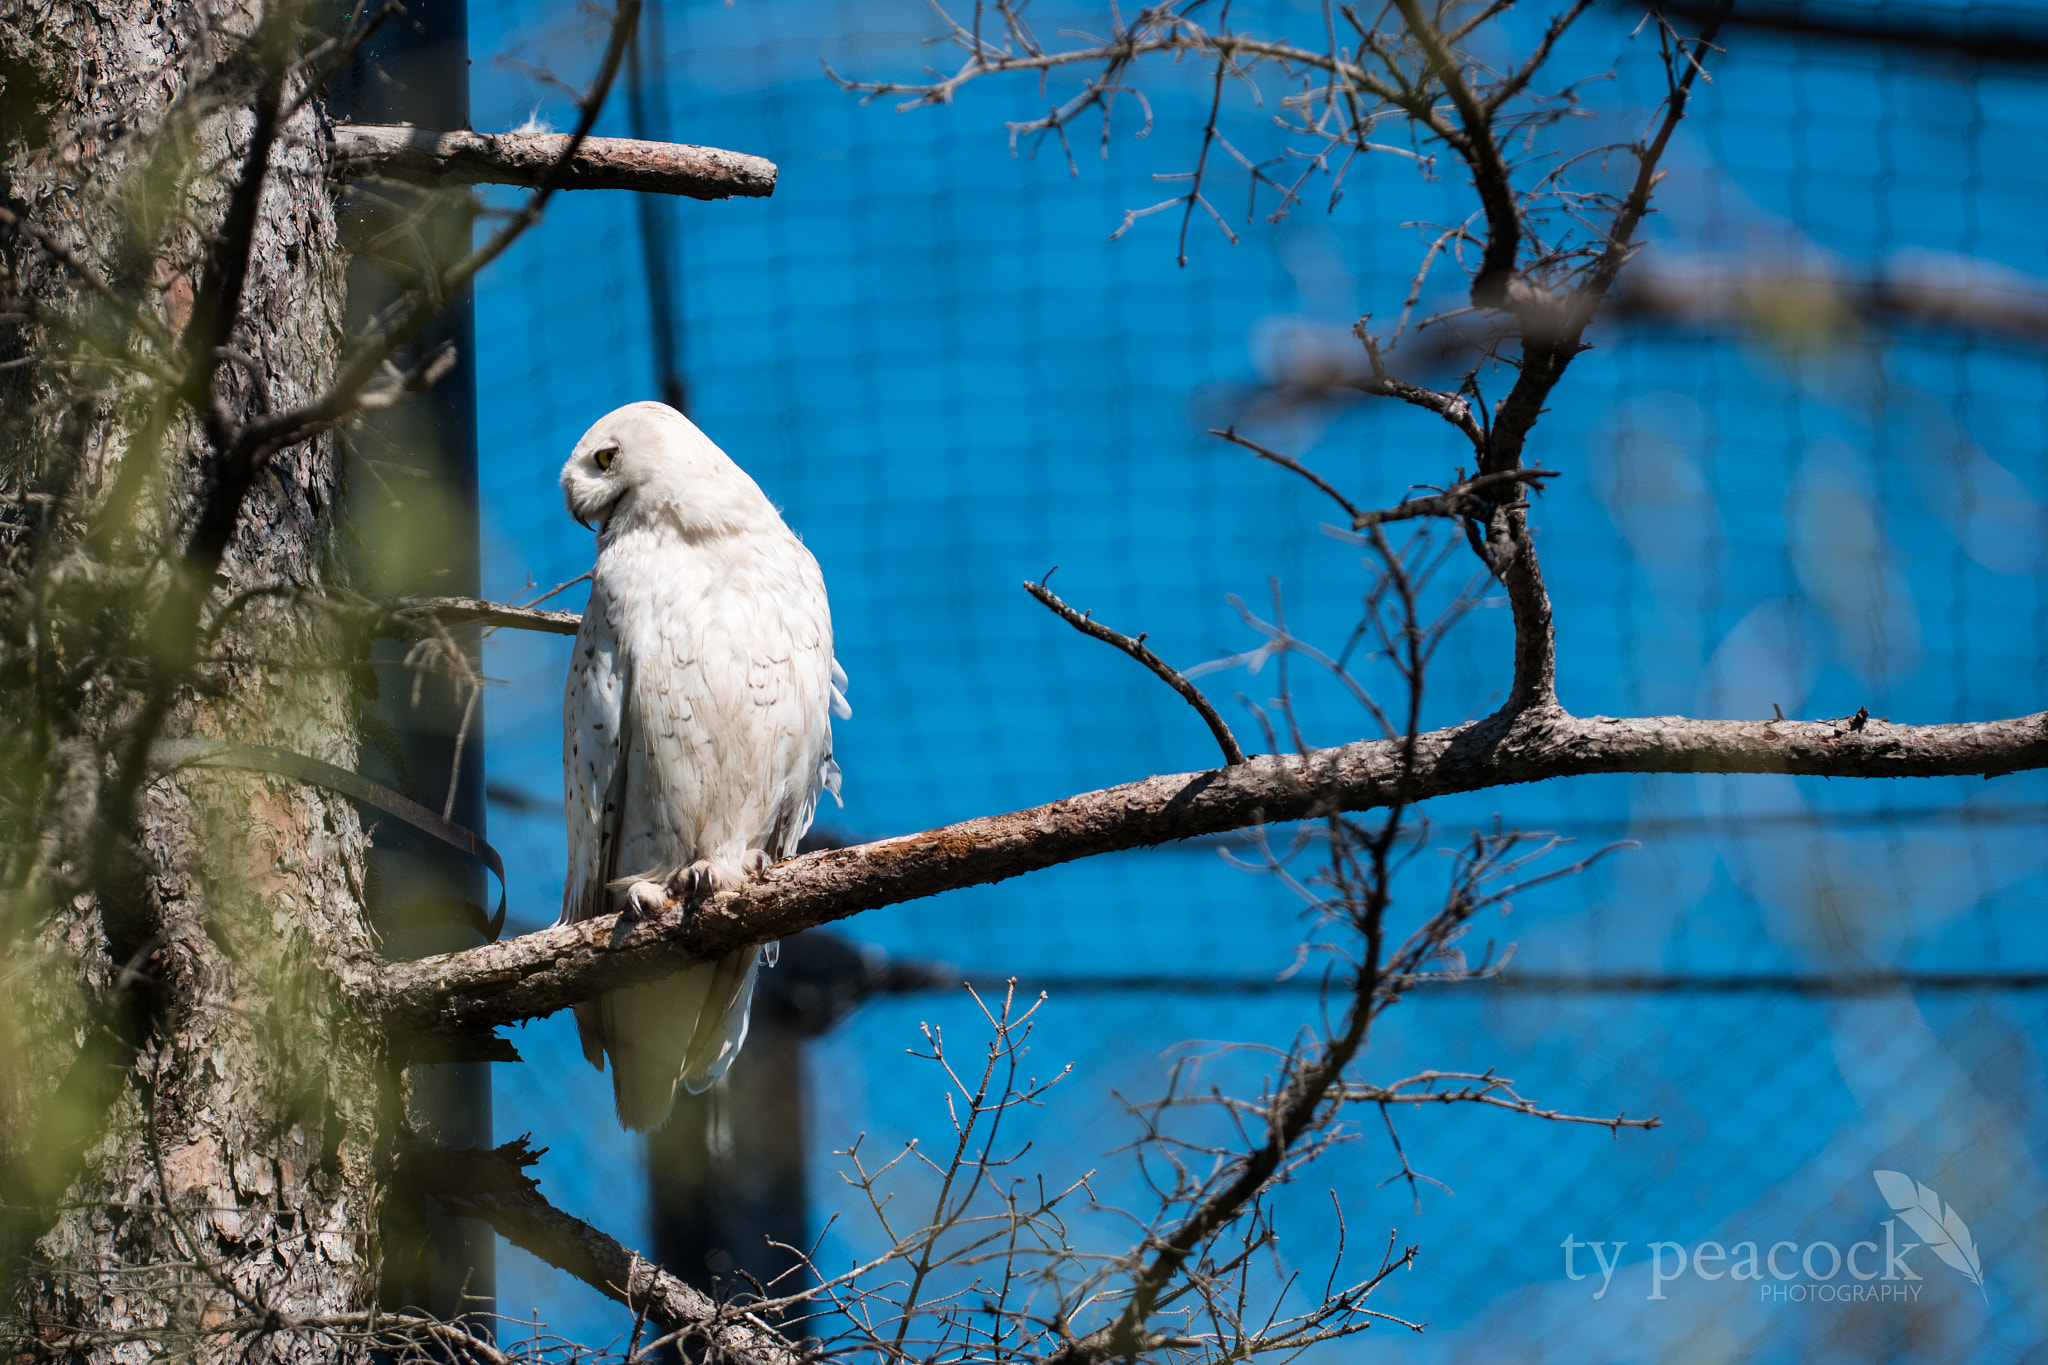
{"x":262,"y":758}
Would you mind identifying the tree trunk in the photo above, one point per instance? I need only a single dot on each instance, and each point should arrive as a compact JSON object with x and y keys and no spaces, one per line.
{"x":206,"y":1138}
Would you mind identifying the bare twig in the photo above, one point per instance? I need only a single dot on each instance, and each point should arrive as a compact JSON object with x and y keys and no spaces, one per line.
{"x":1293,"y":465}
{"x":1452,"y":407}
{"x":1484,"y":1088}
{"x":1135,"y":647}
{"x":1476,"y":498}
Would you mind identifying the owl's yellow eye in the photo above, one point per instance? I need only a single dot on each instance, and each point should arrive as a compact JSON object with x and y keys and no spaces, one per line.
{"x":604,"y":456}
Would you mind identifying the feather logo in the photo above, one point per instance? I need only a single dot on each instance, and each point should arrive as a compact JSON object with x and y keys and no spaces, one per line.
{"x":1935,"y":1223}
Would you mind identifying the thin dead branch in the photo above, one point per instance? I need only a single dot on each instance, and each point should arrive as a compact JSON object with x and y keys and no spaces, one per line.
{"x":1135,"y":647}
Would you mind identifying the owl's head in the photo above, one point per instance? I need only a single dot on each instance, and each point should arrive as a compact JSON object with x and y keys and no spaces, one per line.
{"x":645,"y":463}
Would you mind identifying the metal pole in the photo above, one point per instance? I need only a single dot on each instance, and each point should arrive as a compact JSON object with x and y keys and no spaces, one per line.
{"x":413,"y":515}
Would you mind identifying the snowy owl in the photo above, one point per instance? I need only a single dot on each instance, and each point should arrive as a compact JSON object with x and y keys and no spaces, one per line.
{"x":696,"y":727}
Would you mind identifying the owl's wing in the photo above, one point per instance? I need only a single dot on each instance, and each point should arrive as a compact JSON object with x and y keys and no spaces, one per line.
{"x":799,"y":687}
{"x":595,"y":717}
{"x":840,"y":706}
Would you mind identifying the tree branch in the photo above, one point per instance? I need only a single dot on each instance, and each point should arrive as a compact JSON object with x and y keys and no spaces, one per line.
{"x":1452,"y":407}
{"x":1473,"y":498}
{"x":1704,"y":294}
{"x":1166,"y":672}
{"x":540,"y":973}
{"x":493,"y":1186}
{"x":1551,"y":337}
{"x":422,"y":157}
{"x":1550,"y":343}
{"x":1485,"y":1088}
{"x":1977,"y":33}
{"x":1294,"y":466}
{"x":1491,"y":286}
{"x":1156,"y":30}
{"x":472,"y":611}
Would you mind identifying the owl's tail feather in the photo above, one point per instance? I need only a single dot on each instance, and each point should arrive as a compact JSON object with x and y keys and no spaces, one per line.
{"x":722,"y":1027}
{"x":590,"y":1030}
{"x":685,"y":1028}
{"x":647,"y":1032}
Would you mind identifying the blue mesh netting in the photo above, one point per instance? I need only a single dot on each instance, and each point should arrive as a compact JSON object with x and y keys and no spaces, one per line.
{"x":931,"y":357}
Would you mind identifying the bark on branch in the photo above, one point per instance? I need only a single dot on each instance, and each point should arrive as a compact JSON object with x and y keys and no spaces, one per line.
{"x":423,"y":157}
{"x":539,"y":973}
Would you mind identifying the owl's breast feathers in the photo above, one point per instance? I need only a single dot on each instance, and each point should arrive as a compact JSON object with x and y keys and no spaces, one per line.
{"x":697,"y":721}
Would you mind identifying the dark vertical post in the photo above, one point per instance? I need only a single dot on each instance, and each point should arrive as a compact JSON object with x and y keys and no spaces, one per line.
{"x":728,"y":1173}
{"x":414,"y":516}
{"x":647,"y":114}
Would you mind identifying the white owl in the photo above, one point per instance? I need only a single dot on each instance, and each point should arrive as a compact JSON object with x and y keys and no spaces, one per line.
{"x":696,"y":726}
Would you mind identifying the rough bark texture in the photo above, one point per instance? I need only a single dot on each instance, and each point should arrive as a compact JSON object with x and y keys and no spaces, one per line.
{"x":539,"y":973}
{"x":231,"y":1138}
{"x":423,"y":157}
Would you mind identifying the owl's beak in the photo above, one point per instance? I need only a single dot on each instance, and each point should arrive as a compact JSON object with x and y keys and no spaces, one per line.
{"x":603,"y":515}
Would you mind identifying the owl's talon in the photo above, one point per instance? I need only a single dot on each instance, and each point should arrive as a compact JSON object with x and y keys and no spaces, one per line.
{"x":756,"y":862}
{"x":695,"y":882}
{"x":643,"y":899}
